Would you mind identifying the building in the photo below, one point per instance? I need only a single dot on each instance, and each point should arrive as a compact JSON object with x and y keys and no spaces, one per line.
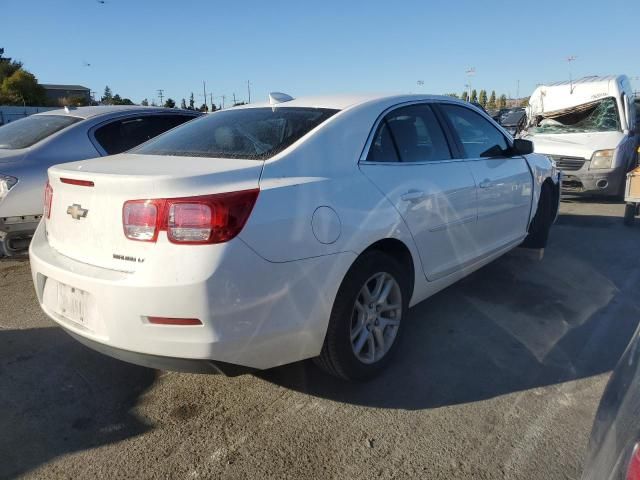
{"x":55,"y":93}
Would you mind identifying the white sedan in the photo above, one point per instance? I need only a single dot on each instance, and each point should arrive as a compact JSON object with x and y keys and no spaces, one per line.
{"x":267,"y":234}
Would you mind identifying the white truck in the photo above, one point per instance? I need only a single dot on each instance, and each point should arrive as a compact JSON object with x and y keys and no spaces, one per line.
{"x":588,"y":127}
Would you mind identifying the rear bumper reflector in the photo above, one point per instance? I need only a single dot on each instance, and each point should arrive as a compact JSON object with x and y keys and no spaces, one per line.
{"x":173,"y":321}
{"x":81,"y":183}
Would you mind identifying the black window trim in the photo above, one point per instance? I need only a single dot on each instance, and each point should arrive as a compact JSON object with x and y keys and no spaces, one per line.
{"x":125,"y":116}
{"x":453,"y":148}
{"x":456,"y":138}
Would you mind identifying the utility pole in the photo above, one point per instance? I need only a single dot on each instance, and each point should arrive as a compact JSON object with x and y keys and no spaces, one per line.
{"x":518,"y":90}
{"x":234,"y":98}
{"x":211,"y":96}
{"x":223,"y":97}
{"x":470,"y":73}
{"x":249,"y":90}
{"x":204,"y":89}
{"x":570,"y":58}
{"x":161,"y":95}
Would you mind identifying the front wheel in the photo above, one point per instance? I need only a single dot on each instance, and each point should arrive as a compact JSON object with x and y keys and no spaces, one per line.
{"x":366,"y":318}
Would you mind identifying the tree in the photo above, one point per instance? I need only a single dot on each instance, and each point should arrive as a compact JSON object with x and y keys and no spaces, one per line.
{"x":153,"y":103}
{"x":482,"y":99}
{"x":191,"y":102}
{"x":7,"y":66}
{"x":213,"y":108}
{"x":474,"y":96}
{"x":183,"y":104}
{"x":502,"y":103}
{"x":22,"y":88}
{"x":491,"y":104}
{"x":107,"y":96}
{"x":463,"y":95}
{"x":170,"y":103}
{"x":204,"y":108}
{"x":144,"y":103}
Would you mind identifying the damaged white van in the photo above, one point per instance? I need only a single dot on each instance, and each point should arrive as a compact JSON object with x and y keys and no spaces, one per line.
{"x":588,"y":127}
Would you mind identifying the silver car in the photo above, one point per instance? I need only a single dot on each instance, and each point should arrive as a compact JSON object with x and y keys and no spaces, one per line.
{"x":28,"y":147}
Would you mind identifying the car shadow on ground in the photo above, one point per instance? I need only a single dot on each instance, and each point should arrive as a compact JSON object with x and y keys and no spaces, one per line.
{"x":58,"y":397}
{"x":514,"y":325}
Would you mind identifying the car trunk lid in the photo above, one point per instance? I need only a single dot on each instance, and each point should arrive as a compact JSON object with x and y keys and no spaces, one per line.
{"x":85,"y":221}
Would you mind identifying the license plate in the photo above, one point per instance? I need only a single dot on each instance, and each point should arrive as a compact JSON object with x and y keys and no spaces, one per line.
{"x":71,"y":303}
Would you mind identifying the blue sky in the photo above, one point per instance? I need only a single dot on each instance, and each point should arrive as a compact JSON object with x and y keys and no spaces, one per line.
{"x":303,"y":47}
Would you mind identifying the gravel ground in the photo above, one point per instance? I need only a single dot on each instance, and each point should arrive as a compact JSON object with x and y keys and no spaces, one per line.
{"x":497,"y":376}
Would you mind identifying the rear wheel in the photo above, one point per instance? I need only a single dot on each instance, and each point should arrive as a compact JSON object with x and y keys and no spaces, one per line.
{"x":629,"y":213}
{"x":366,"y":318}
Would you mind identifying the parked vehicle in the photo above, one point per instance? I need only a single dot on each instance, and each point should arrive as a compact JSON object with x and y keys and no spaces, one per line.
{"x":31,"y":145}
{"x":614,"y":445}
{"x":266,"y":234}
{"x":632,"y":194}
{"x":588,"y":127}
{"x":514,"y":121}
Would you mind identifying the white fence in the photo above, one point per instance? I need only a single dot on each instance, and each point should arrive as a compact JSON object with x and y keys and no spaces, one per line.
{"x":9,"y":114}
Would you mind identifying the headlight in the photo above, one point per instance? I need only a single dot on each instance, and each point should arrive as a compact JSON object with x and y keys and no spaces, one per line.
{"x":601,"y":159}
{"x":6,"y":183}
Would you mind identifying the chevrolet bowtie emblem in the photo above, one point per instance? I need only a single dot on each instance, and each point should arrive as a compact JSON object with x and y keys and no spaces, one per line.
{"x":77,"y":212}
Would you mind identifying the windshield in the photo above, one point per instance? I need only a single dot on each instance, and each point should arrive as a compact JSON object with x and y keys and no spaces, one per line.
{"x":28,"y":131}
{"x":248,"y":133}
{"x":598,"y":116}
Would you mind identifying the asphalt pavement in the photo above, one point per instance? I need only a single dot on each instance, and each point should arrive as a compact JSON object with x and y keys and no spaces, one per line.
{"x":498,"y":376}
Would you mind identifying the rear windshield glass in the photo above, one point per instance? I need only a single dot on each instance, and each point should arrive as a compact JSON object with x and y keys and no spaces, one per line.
{"x":27,"y":131}
{"x":248,"y":133}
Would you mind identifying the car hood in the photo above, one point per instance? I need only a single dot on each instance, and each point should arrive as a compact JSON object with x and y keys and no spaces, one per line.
{"x":12,"y":156}
{"x":574,"y":144}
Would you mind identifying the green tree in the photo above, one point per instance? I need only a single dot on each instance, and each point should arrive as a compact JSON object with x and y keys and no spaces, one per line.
{"x":107,"y":96}
{"x":144,"y":103}
{"x":203,"y":108}
{"x":7,"y":66}
{"x":22,"y":88}
{"x":502,"y":102}
{"x":482,"y":98}
{"x":192,"y":102}
{"x":463,"y":96}
{"x":170,"y":103}
{"x":474,"y":96}
{"x":183,"y":104}
{"x":491,"y":104}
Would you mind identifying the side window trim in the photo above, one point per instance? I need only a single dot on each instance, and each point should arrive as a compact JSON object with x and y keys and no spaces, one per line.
{"x":91,"y":132}
{"x":455,"y":145}
{"x":453,"y":148}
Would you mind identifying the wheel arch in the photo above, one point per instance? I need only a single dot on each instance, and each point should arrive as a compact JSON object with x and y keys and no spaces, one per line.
{"x":398,"y":250}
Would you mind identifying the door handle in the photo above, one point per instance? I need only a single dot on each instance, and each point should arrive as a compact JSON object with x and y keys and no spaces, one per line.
{"x":486,"y":183}
{"x":413,"y":196}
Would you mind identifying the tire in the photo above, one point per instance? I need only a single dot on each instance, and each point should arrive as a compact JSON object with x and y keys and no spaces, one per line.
{"x":338,"y":356}
{"x":541,"y":223}
{"x":629,"y":213}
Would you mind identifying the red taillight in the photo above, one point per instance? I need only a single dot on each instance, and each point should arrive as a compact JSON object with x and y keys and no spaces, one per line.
{"x":48,"y":198}
{"x":173,"y":321}
{"x":633,"y":470}
{"x":191,"y":220}
{"x":73,"y":181}
{"x":140,"y":219}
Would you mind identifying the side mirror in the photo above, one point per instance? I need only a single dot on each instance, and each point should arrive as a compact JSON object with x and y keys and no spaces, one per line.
{"x":522,"y":146}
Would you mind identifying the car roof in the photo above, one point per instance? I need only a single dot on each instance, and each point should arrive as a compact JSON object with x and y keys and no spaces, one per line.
{"x":344,"y":101}
{"x":96,"y":111}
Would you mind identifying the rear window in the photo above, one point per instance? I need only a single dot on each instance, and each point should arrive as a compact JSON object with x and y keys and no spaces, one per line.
{"x":248,"y":133}
{"x":28,"y":131}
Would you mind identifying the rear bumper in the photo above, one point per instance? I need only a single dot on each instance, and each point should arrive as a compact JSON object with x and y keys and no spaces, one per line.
{"x":254,"y":313}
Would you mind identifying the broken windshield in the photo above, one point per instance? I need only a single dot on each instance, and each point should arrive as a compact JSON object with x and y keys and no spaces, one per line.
{"x":598,"y":116}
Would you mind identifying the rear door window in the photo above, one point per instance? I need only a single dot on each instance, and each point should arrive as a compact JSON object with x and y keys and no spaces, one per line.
{"x":124,"y":134}
{"x":409,"y":134}
{"x":28,"y":131}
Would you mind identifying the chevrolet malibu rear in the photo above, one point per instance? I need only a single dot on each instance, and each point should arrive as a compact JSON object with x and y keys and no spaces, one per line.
{"x":263,"y":235}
